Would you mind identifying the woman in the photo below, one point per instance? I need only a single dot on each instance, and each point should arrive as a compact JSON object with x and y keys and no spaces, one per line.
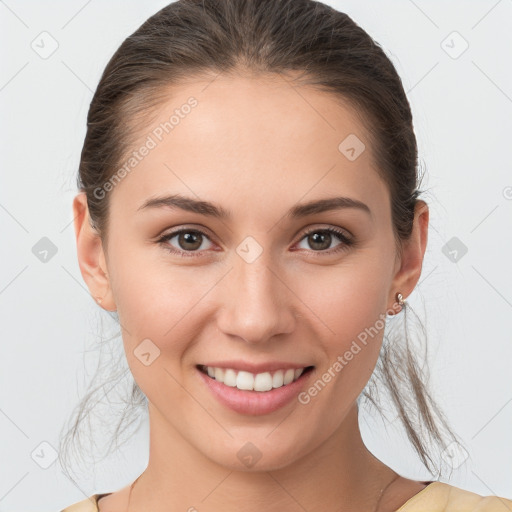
{"x":249,"y":207}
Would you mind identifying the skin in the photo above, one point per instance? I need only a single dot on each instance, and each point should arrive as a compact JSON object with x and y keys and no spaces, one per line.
{"x":256,"y":147}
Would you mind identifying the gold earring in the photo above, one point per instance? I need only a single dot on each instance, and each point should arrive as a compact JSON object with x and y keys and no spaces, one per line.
{"x":400,"y":299}
{"x":98,"y":300}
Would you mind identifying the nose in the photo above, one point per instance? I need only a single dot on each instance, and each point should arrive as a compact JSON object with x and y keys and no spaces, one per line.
{"x":256,"y":304}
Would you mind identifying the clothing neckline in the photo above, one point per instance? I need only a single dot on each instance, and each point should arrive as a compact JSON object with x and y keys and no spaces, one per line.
{"x":97,"y":497}
{"x":428,"y":485}
{"x":423,"y":491}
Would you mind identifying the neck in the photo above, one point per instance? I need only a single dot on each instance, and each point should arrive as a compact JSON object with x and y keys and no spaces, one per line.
{"x":341,"y":474}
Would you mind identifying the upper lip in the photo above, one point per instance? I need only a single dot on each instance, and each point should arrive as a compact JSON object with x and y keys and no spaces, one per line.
{"x":256,"y":367}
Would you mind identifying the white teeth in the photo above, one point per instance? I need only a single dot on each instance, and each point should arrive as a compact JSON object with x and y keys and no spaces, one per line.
{"x":263,"y":382}
{"x":254,"y":382}
{"x":288,"y":376}
{"x":219,"y":374}
{"x":230,"y":377}
{"x":244,"y":380}
{"x":277,"y":379}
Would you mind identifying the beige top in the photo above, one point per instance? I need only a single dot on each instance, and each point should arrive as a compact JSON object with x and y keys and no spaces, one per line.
{"x":435,"y":497}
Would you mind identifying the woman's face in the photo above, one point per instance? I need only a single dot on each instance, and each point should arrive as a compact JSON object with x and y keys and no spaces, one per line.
{"x":255,"y":292}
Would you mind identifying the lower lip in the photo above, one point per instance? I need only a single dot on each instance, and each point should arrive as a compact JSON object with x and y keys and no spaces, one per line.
{"x":254,"y":402}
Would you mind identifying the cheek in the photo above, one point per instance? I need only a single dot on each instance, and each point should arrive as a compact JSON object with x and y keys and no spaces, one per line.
{"x":160,"y":312}
{"x":159,"y":300}
{"x":346,"y":299}
{"x":350,"y":307}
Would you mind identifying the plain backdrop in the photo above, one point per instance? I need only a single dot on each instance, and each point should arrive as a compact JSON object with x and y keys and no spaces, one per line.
{"x":454,"y":59}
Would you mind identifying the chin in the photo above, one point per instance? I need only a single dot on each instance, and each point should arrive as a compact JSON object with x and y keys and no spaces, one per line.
{"x":255,"y":457}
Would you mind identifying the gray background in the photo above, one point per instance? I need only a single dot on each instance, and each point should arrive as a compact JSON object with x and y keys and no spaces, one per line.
{"x":462,"y":107}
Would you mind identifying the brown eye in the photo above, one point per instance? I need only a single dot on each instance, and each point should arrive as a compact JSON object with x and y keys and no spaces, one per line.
{"x":320,"y":240}
{"x":187,"y":241}
{"x":190,"y":241}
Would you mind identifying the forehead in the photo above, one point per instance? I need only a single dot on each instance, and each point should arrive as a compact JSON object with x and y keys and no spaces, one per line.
{"x":263,"y":139}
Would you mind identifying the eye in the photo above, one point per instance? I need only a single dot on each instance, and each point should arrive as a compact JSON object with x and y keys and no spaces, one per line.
{"x":321,"y":239}
{"x":189,"y":242}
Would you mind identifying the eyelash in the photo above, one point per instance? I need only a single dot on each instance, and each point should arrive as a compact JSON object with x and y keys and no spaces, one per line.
{"x":347,"y":242}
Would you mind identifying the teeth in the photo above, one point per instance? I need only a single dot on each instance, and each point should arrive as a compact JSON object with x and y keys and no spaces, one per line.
{"x":244,"y":380}
{"x":254,"y":382}
{"x":288,"y":376}
{"x":230,"y":377}
{"x":263,"y":382}
{"x":277,"y":379}
{"x":219,"y":374}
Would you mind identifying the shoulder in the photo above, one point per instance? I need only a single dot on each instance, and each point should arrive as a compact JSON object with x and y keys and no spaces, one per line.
{"x":116,"y":500}
{"x":88,"y":505}
{"x":442,"y":497}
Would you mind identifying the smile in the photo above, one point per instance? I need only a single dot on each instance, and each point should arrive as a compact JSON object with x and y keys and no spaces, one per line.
{"x":254,"y":392}
{"x":248,"y":381}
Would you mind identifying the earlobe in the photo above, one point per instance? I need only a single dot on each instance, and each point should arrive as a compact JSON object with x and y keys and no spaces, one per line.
{"x":91,"y":257}
{"x":413,"y":252}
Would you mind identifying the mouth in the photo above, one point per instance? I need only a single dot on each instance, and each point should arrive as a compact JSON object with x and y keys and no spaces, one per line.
{"x":265,"y":389}
{"x":259,"y":382}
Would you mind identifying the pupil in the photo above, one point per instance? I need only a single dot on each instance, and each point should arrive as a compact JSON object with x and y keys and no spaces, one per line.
{"x":190,"y":238}
{"x":317,"y":239}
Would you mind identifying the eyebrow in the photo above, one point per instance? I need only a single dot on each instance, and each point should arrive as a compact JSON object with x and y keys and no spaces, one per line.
{"x":211,"y":210}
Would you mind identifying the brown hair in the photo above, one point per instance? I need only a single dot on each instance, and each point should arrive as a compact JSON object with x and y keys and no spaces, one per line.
{"x":320,"y":47}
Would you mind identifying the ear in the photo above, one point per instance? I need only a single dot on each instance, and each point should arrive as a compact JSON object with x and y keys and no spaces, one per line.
{"x":91,"y":257}
{"x":409,"y":265}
